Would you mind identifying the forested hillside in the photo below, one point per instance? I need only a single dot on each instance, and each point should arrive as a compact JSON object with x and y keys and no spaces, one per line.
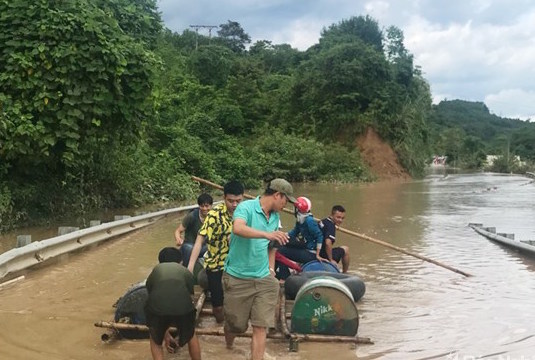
{"x":101,"y":106}
{"x":466,"y":132}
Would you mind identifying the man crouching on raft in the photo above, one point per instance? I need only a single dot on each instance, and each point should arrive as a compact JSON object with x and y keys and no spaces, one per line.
{"x":251,"y":289}
{"x":169,"y":303}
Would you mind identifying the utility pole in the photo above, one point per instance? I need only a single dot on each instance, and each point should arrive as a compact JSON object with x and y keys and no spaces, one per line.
{"x":508,"y":150}
{"x":197,"y":27}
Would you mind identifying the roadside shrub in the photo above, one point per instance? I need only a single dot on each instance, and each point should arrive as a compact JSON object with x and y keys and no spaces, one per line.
{"x":234,"y":162}
{"x":299,"y":159}
{"x":139,"y":175}
{"x":341,"y":164}
{"x":191,"y":155}
{"x":6,"y":208}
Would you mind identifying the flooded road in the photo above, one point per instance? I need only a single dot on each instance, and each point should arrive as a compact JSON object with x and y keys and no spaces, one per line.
{"x":411,"y":310}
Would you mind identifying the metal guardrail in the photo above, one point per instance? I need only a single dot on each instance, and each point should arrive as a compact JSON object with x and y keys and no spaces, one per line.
{"x":39,"y":252}
{"x":505,"y":239}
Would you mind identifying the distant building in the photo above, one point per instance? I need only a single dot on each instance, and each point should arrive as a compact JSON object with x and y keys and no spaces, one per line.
{"x":439,"y":160}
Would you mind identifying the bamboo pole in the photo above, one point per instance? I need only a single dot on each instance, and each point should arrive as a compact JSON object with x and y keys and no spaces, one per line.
{"x":293,"y":340}
{"x":278,"y":312}
{"x":221,"y":332}
{"x":282,"y":314}
{"x":199,"y":305}
{"x":206,"y":311}
{"x":361,"y":236}
{"x":390,"y":246}
{"x":11,"y":282}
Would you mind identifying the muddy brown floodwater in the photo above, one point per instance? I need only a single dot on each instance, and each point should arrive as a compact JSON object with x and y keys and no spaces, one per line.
{"x":411,"y":310}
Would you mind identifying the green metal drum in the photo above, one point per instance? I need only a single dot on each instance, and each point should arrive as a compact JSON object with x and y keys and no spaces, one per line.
{"x":324,"y":305}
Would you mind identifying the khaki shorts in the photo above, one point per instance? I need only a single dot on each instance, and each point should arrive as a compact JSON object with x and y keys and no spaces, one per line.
{"x":249,"y":299}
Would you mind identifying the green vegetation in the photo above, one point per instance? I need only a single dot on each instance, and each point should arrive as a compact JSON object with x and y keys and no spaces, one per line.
{"x":100,"y":106}
{"x":467,"y":132}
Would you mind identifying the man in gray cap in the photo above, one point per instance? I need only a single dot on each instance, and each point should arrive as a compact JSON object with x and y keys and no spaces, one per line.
{"x":251,"y":289}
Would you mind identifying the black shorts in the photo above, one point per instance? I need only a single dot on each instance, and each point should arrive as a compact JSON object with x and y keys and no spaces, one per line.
{"x":338,"y":254}
{"x":215,"y":286}
{"x":158,"y":325}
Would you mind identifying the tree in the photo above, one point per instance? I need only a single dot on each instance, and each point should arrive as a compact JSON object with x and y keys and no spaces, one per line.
{"x":398,"y":55}
{"x":260,"y":47}
{"x":138,"y":18}
{"x":233,"y":36}
{"x":211,"y":64}
{"x":280,"y":59}
{"x":363,"y":28}
{"x":337,"y":86}
{"x":452,"y":142}
{"x":473,"y":154}
{"x":523,"y":141}
{"x":189,"y":41}
{"x":70,"y":76}
{"x":245,"y":86}
{"x":408,"y":127}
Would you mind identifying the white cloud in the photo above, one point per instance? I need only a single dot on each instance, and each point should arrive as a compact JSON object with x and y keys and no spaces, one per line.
{"x":477,"y":61}
{"x":437,"y":98}
{"x":377,"y":9}
{"x":516,"y":103}
{"x":301,"y":33}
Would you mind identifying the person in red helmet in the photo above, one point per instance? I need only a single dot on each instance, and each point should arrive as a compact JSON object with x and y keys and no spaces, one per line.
{"x":303,"y":205}
{"x":306,"y":238}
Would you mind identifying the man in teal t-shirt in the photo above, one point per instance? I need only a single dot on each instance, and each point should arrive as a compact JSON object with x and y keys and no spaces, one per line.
{"x":251,"y":289}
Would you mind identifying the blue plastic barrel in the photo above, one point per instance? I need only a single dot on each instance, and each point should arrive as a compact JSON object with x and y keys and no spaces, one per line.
{"x":317,"y":265}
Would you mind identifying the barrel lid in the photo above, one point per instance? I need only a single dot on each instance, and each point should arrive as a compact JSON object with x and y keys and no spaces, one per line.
{"x":324,"y":281}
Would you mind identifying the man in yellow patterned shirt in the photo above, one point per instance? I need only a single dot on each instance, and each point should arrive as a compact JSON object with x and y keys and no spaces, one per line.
{"x":215,"y":231}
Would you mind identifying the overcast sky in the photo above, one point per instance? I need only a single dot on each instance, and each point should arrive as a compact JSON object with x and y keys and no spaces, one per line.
{"x":476,"y":50}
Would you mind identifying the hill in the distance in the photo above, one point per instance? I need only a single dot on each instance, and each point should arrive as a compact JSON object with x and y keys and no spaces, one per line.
{"x":473,"y":122}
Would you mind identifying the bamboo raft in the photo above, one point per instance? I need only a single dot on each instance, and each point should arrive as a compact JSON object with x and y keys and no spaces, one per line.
{"x":281,"y":331}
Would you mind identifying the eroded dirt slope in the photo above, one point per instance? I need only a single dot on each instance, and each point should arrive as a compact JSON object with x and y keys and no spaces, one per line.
{"x":380,"y":157}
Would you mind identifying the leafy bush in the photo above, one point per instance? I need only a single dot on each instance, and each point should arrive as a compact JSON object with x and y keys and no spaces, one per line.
{"x":191,"y":155}
{"x":6,"y":208}
{"x":70,"y":75}
{"x":299,"y":159}
{"x":233,"y":161}
{"x":138,"y":175}
{"x":341,"y":164}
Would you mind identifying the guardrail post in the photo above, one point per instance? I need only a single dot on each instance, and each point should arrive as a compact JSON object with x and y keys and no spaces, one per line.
{"x":94,"y":223}
{"x":62,"y":230}
{"x":121,"y":217}
{"x":23,"y":240}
